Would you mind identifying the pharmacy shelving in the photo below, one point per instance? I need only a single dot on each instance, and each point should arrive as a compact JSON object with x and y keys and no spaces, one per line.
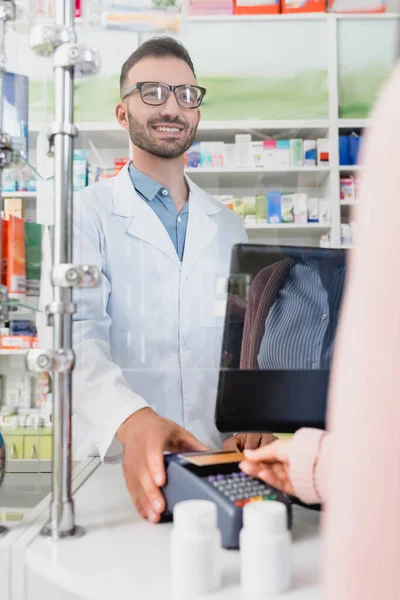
{"x":24,"y":195}
{"x":350,"y":168}
{"x":110,"y":140}
{"x":306,"y":227}
{"x":354,"y":203}
{"x":255,"y":171}
{"x":354,"y":123}
{"x":288,"y":17}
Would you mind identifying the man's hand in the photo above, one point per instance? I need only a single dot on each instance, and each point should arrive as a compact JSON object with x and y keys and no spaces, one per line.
{"x":250,"y":441}
{"x":145,"y":435}
{"x":271,"y":464}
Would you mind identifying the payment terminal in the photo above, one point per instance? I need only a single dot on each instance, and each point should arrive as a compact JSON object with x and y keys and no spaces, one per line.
{"x":216,"y":476}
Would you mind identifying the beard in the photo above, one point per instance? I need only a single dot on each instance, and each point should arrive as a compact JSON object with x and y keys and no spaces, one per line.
{"x":166,"y":148}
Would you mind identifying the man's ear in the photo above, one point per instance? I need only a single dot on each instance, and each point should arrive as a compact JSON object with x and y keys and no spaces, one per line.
{"x":121,"y":112}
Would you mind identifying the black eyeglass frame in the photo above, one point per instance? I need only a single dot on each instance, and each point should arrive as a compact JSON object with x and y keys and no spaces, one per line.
{"x":172,"y":88}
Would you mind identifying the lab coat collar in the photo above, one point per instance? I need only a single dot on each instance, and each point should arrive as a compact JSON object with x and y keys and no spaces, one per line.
{"x":126,"y":201}
{"x":146,"y":225}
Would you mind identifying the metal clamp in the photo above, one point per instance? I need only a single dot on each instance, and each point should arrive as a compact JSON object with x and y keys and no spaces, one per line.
{"x":57,"y":361}
{"x":68,"y":276}
{"x":61,"y":129}
{"x":85,"y":60}
{"x":8,"y":156}
{"x":61,"y":308}
{"x":45,"y":38}
{"x":3,"y":306}
{"x":8,"y":11}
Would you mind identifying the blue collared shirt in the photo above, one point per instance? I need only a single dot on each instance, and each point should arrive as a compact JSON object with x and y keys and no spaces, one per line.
{"x":300,"y":326}
{"x":161,"y":202}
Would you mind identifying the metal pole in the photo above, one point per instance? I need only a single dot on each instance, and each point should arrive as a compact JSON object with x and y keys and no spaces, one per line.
{"x":62,"y":517}
{"x":69,"y":59}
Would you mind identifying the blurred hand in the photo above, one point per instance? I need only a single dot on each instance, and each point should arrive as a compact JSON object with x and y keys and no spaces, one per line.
{"x":145,"y":435}
{"x":238,"y":443}
{"x":271,"y":464}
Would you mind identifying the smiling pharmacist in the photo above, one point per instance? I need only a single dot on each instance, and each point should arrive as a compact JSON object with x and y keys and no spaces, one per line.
{"x":148,"y":340}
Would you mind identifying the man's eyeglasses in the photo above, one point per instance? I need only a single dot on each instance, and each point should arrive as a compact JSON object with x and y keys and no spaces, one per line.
{"x":155,"y":93}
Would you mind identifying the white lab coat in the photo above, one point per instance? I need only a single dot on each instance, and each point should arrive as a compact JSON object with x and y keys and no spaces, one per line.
{"x":151,"y":333}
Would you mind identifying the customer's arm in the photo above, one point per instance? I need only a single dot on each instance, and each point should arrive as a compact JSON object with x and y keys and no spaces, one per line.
{"x":297,"y":466}
{"x":363,"y":517}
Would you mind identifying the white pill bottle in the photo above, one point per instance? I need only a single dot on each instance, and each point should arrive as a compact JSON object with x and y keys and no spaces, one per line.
{"x":265,"y":549}
{"x":195,"y":548}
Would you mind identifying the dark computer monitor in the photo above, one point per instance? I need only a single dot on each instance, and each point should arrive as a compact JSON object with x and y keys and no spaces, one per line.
{"x":281,"y":320}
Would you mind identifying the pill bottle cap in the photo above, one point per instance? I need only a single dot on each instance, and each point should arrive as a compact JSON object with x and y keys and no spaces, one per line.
{"x":200,"y":515}
{"x":265,"y":517}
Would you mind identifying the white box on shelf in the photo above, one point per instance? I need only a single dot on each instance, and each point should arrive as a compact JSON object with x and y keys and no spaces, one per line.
{"x":347,"y":189}
{"x":230,"y":156}
{"x":269,"y":154}
{"x":345,"y":234}
{"x":249,"y":210}
{"x":300,"y":209}
{"x":282,"y":154}
{"x":218,"y":155}
{"x":258,"y":155}
{"x":310,"y":153}
{"x":324,"y":210}
{"x":296,"y":153}
{"x":313,"y":210}
{"x":323,"y":151}
{"x":243,"y":151}
{"x":287,"y":208}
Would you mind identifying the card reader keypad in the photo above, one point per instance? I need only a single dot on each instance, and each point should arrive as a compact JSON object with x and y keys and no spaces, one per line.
{"x":240,"y":488}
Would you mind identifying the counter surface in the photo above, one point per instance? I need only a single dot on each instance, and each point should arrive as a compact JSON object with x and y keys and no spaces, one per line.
{"x":121,"y":556}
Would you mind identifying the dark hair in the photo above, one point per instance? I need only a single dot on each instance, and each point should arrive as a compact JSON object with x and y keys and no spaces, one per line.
{"x":158,"y":47}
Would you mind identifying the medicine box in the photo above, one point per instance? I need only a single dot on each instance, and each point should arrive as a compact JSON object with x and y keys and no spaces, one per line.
{"x":323,"y":149}
{"x":296,"y":153}
{"x":287,"y":208}
{"x":358,"y":6}
{"x":249,"y":210}
{"x":256,"y":7}
{"x":274,"y":207}
{"x":313,"y":210}
{"x":261,"y":209}
{"x":13,"y":206}
{"x":310,"y":153}
{"x":80,"y":170}
{"x":347,"y":190}
{"x":303,"y":6}
{"x":300,"y":209}
{"x":193,"y":155}
{"x":269,"y":154}
{"x":282,"y":153}
{"x":258,"y":155}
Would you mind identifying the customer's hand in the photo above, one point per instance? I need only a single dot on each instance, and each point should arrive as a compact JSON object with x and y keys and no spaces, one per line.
{"x":241,"y":441}
{"x":145,"y":435}
{"x":271,"y":464}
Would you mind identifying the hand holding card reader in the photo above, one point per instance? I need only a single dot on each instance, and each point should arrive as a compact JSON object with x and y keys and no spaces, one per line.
{"x":216,"y":476}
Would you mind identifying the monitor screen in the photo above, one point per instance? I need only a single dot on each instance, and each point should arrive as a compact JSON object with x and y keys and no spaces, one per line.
{"x":282,"y":314}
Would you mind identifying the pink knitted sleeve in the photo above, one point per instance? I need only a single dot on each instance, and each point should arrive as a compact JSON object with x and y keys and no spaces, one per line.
{"x":308,"y":454}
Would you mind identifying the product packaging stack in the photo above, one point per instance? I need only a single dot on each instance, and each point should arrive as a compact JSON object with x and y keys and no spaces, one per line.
{"x":210,"y":7}
{"x":275,"y":207}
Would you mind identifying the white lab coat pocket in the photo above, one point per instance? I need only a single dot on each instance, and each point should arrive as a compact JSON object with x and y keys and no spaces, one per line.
{"x":212,"y":289}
